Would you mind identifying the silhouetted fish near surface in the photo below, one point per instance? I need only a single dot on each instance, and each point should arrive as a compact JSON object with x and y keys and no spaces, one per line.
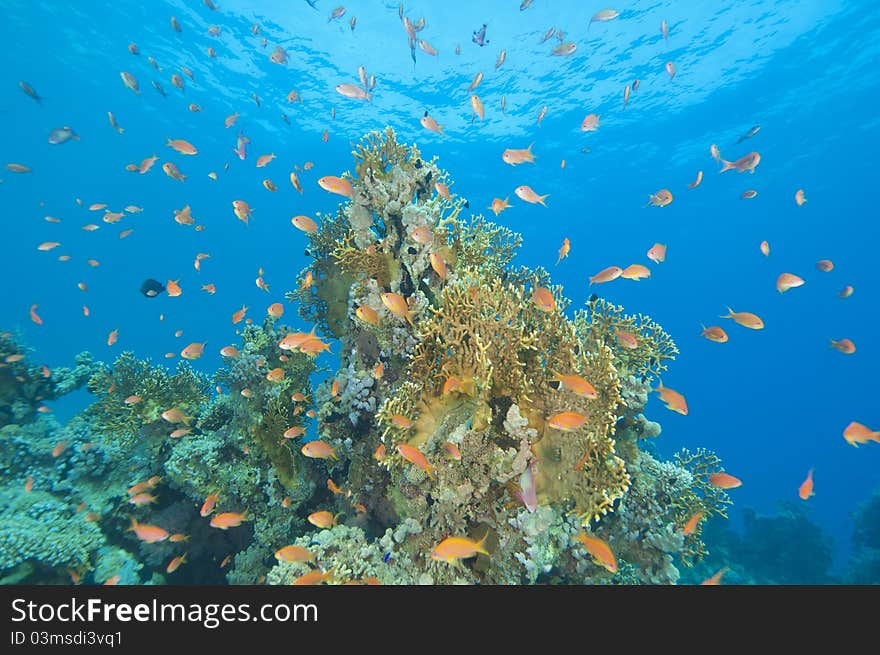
{"x":159,"y":88}
{"x":62,"y":135}
{"x":152,"y":288}
{"x":480,"y":36}
{"x":29,"y":91}
{"x":748,"y":135}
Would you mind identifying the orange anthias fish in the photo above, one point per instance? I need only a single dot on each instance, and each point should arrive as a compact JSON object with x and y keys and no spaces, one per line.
{"x":337,"y":185}
{"x":193,"y":350}
{"x":515,"y":157}
{"x":724,"y":481}
{"x":182,"y":146}
{"x":452,"y":549}
{"x":499,"y":205}
{"x":787,"y":281}
{"x":477,"y":104}
{"x":846,"y":346}
{"x":765,"y":248}
{"x":635,"y":272}
{"x":397,"y":306}
{"x":563,"y":250}
{"x":674,"y":400}
{"x":294,"y":553}
{"x":576,"y":384}
{"x":825,"y":265}
{"x":543,"y":299}
{"x":746,"y":319}
{"x":430,"y":124}
{"x":319,"y":450}
{"x":799,"y":197}
{"x":696,"y":182}
{"x":714,"y":333}
{"x":606,"y":275}
{"x":743,"y":164}
{"x":660,"y":199}
{"x":228,"y":520}
{"x":525,"y":192}
{"x":590,"y":123}
{"x":657,"y":253}
{"x":856,"y":433}
{"x":626,"y":339}
{"x":600,"y":550}
{"x":691,"y":526}
{"x":209,"y":504}
{"x":566,"y":421}
{"x":715,"y":579}
{"x":150,"y":534}
{"x":414,"y":456}
{"x":304,"y":223}
{"x":805,"y":491}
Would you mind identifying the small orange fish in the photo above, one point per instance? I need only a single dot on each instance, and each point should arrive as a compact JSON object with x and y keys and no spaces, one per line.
{"x":787,"y":281}
{"x":600,"y":550}
{"x":265,"y":160}
{"x":305,"y":224}
{"x":228,"y":520}
{"x":660,"y":199}
{"x":526,"y":193}
{"x":657,"y":253}
{"x":799,"y":197}
{"x":846,"y":292}
{"x":29,"y":483}
{"x":34,"y":316}
{"x":696,"y":182}
{"x":635,"y":272}
{"x":748,"y":195}
{"x":181,"y":146}
{"x":379,"y":371}
{"x":239,"y":315}
{"x":724,"y":481}
{"x":379,"y":453}
{"x":275,"y":375}
{"x":294,"y":553}
{"x":747,"y":163}
{"x":543,"y":299}
{"x":395,"y":304}
{"x":178,"y":537}
{"x":846,"y":346}
{"x":112,"y":337}
{"x":825,"y":265}
{"x":590,"y":123}
{"x":442,"y":190}
{"x":319,"y":450}
{"x":670,"y":68}
{"x":499,"y":205}
{"x":193,"y":351}
{"x":673,"y":399}
{"x":714,"y":333}
{"x":414,"y":456}
{"x":563,"y":250}
{"x":566,"y":421}
{"x":142,"y":499}
{"x":576,"y":384}
{"x":856,"y":433}
{"x":422,"y":234}
{"x":477,"y":105}
{"x":716,"y":578}
{"x":805,"y":491}
{"x":606,"y":275}
{"x":452,"y":549}
{"x":430,"y":124}
{"x":150,"y":534}
{"x":746,"y":319}
{"x":175,"y":563}
{"x":336,"y":185}
{"x":691,"y":526}
{"x":452,"y":450}
{"x":765,"y":248}
{"x":322,"y":519}
{"x":516,"y":157}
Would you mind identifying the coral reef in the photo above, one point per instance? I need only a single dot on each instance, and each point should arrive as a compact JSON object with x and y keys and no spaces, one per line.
{"x":466,"y":403}
{"x":864,"y":564}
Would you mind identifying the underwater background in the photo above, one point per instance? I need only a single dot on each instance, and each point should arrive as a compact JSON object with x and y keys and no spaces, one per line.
{"x":772,"y":403}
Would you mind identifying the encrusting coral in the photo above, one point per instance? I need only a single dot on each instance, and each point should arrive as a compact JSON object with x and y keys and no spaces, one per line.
{"x":467,"y":403}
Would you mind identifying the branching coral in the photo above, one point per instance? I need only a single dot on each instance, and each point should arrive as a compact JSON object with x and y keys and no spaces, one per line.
{"x":602,"y":323}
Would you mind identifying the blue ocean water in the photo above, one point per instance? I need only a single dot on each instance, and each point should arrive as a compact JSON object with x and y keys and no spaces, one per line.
{"x":772,"y":403}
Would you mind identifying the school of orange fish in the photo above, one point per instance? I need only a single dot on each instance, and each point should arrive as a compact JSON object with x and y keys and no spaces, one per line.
{"x":453,"y":548}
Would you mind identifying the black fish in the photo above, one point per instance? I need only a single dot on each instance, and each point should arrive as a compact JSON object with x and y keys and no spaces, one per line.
{"x":480,"y":36}
{"x":285,"y":118}
{"x":748,"y":135}
{"x":152,"y":288}
{"x":312,"y":4}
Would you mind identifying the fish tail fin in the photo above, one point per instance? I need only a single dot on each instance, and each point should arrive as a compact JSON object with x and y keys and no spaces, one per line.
{"x":481,"y":543}
{"x":541,"y":199}
{"x":730,"y":312}
{"x":134,"y":524}
{"x":728,"y":166}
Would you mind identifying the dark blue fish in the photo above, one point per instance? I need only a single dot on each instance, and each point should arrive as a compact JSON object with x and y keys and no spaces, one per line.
{"x":480,"y":36}
{"x":748,"y":135}
{"x":62,"y":135}
{"x":29,"y":91}
{"x":152,"y":288}
{"x":312,"y":4}
{"x":159,"y":88}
